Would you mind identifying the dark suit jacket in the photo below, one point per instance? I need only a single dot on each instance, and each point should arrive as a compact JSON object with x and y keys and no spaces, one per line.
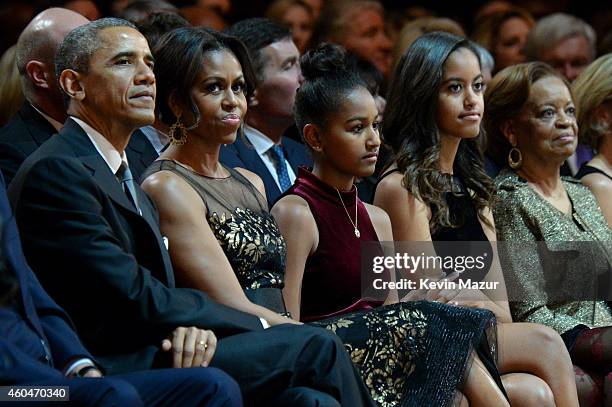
{"x":102,"y":261}
{"x":241,"y":154}
{"x":35,"y":323}
{"x":140,"y":154}
{"x":27,"y":130}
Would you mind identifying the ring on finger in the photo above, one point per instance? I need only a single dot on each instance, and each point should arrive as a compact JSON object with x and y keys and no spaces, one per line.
{"x":203,"y":344}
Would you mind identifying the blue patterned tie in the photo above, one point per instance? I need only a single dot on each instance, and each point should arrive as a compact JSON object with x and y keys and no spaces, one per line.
{"x":281,"y":167}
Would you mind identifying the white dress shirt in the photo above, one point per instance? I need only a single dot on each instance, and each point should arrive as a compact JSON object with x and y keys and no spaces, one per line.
{"x":263,"y":145}
{"x":109,"y":153}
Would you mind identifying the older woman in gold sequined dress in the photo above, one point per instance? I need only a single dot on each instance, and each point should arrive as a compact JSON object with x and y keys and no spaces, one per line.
{"x":557,"y":253}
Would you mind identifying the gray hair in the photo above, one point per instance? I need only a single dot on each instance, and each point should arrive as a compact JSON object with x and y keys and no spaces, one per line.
{"x":486,"y":59}
{"x":554,"y":28}
{"x":81,"y":43}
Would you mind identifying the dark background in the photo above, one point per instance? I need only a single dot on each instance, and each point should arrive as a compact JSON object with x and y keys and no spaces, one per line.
{"x":14,"y":15}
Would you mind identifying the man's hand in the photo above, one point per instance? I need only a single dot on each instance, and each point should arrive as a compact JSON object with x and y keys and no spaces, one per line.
{"x":93,"y":373}
{"x":87,"y":371}
{"x":191,"y":347}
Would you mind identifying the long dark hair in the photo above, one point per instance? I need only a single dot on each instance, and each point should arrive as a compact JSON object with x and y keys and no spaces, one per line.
{"x":410,"y":128}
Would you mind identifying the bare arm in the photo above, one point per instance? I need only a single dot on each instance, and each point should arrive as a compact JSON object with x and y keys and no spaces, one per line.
{"x":409,"y":216}
{"x":299,"y":229}
{"x":601,"y":187}
{"x":382,"y":226}
{"x":499,"y":304}
{"x":197,"y":257}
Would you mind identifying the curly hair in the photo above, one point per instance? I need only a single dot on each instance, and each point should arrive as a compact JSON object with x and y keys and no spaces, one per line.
{"x":410,"y":128}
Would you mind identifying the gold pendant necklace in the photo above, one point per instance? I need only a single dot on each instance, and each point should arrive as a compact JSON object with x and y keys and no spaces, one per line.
{"x":357,"y":233}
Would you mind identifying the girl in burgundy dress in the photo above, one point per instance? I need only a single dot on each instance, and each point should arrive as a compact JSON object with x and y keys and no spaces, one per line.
{"x":409,"y":353}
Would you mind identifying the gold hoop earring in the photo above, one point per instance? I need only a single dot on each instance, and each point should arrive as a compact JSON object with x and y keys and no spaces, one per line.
{"x":515,"y":164}
{"x":178,"y":127}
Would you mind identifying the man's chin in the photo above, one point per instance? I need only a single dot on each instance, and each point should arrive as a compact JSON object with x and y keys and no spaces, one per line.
{"x":144,"y":119}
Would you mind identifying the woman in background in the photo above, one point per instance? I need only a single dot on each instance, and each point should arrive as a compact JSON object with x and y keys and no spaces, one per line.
{"x":593,"y":96}
{"x":298,"y":16}
{"x":359,"y":26}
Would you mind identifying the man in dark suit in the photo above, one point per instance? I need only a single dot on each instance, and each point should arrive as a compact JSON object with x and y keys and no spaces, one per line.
{"x":39,"y":345}
{"x":91,"y":235}
{"x":43,"y":112}
{"x":263,"y":149}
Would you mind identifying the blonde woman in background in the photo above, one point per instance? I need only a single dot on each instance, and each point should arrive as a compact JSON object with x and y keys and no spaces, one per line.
{"x":11,"y":95}
{"x":593,"y":97}
{"x":298,"y":16}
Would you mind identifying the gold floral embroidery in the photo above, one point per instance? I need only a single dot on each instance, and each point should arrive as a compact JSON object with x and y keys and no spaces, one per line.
{"x":249,"y":238}
{"x":388,"y":353}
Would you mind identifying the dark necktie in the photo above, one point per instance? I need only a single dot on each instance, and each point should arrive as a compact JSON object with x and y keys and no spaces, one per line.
{"x":124,"y":175}
{"x":281,"y":167}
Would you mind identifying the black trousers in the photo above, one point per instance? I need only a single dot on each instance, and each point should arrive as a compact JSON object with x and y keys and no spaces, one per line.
{"x":292,"y":365}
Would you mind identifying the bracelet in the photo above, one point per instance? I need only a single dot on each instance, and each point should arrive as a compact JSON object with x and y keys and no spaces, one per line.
{"x":83,"y":371}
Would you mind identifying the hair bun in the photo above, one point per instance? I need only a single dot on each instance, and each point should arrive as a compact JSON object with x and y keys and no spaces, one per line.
{"x":324,"y":60}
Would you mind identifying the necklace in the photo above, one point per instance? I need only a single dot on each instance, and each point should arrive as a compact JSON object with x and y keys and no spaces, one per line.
{"x":357,"y":233}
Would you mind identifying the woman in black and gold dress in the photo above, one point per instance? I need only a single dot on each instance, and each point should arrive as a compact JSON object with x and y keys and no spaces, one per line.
{"x":222,"y":240}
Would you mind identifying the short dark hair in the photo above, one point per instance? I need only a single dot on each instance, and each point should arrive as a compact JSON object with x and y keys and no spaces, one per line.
{"x":179,"y":57}
{"x":158,"y":24}
{"x":80,"y":44}
{"x":258,"y":33}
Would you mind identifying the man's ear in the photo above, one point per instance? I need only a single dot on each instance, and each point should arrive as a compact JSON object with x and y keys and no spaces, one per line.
{"x":253,"y":101}
{"x":312,"y":137}
{"x":508,"y":129}
{"x":71,"y":84}
{"x":38,"y":74}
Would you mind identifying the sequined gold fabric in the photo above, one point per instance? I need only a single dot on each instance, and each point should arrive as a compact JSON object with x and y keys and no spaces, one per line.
{"x":521,"y":215}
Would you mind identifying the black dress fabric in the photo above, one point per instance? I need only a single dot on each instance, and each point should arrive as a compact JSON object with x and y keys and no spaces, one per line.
{"x":587,"y":169}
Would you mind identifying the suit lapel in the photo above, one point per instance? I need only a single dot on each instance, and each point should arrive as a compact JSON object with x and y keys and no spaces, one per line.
{"x":38,"y":127}
{"x":89,"y":156}
{"x":106,"y":180}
